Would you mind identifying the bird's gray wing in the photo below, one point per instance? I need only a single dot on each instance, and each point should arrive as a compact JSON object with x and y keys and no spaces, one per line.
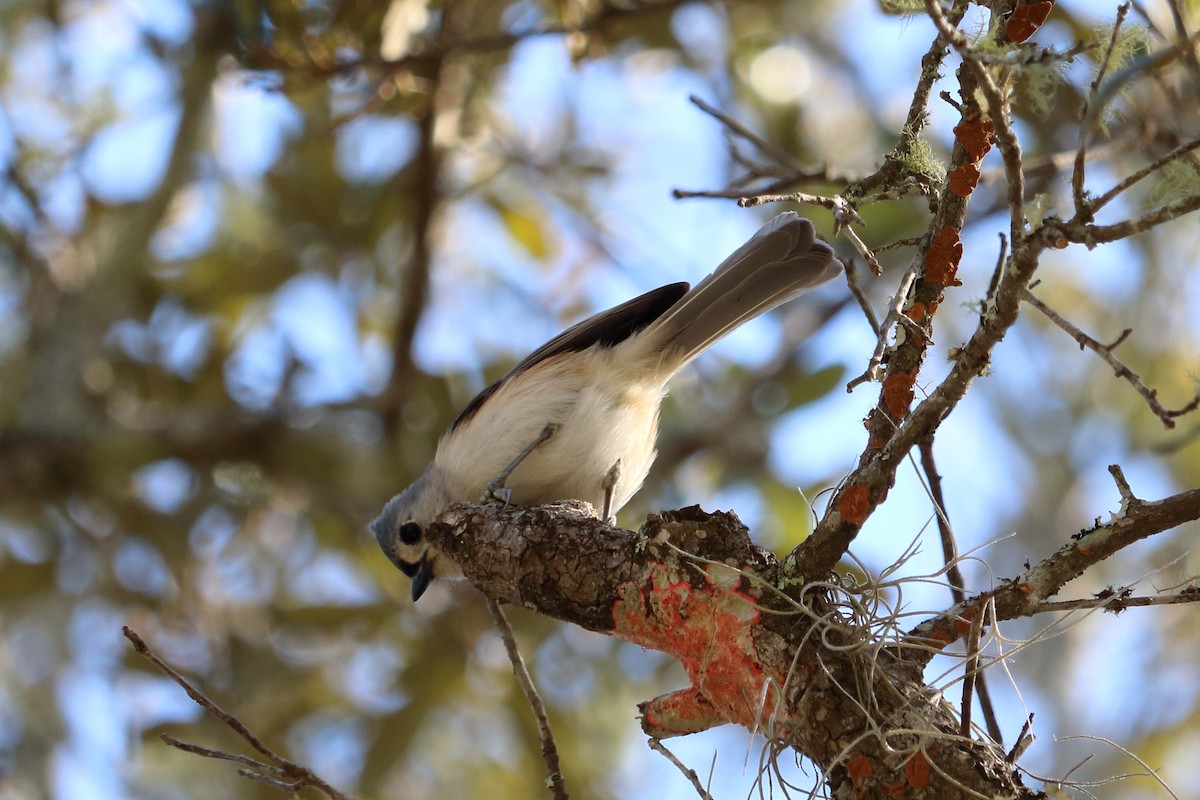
{"x":609,"y":328}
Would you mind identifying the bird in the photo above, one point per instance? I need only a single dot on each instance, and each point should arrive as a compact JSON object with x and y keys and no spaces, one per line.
{"x":577,"y":419}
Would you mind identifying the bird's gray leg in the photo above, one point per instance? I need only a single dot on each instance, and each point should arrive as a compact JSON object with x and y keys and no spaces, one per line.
{"x":495,"y":489}
{"x":610,"y":486}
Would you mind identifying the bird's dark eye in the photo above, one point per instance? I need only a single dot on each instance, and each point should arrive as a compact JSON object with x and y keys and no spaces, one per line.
{"x":410,"y":533}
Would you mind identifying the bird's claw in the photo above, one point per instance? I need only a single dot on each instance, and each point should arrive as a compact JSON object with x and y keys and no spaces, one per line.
{"x":496,"y":494}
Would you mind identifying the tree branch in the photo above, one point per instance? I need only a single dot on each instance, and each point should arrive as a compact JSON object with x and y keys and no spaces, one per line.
{"x":276,"y":771}
{"x":549,"y":749}
{"x":1105,"y":351}
{"x":1027,"y":593}
{"x":762,"y":647}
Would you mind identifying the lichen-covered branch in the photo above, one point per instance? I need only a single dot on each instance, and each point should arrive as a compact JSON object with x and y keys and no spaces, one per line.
{"x":1027,"y":593}
{"x":762,"y":648}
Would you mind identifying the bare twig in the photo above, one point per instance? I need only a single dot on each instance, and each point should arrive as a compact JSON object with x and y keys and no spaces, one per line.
{"x":1119,"y":601}
{"x":549,"y":748}
{"x":1081,"y":233}
{"x":277,"y":771}
{"x":1042,"y":55}
{"x":894,"y":313}
{"x":1056,"y":162}
{"x":1165,"y":415}
{"x":426,"y":168}
{"x":657,"y":746}
{"x":1130,"y":180}
{"x":1190,"y":59}
{"x":856,"y":291}
{"x":1142,"y":64}
{"x":198,"y":697}
{"x":219,"y":755}
{"x":1024,"y":739}
{"x":862,"y":249}
{"x":769,"y":149}
{"x":1082,"y":209}
{"x":976,"y":679}
{"x":971,"y":673}
{"x":949,"y":545}
{"x":1123,"y":487}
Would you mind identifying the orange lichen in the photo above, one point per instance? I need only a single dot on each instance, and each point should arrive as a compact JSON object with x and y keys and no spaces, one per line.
{"x":1025,"y":20}
{"x":854,"y":502}
{"x":941,"y":262}
{"x":939,"y":638}
{"x":916,"y":770}
{"x":963,"y":179}
{"x":708,"y":629}
{"x":859,"y":769}
{"x":975,"y":135}
{"x":898,"y":392}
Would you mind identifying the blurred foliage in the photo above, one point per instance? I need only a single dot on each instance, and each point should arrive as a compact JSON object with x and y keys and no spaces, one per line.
{"x":220,"y":225}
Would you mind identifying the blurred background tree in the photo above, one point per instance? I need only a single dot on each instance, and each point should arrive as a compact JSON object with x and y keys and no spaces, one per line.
{"x":255,"y":257}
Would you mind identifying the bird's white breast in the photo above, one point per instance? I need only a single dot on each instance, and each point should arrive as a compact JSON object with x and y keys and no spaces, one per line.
{"x":606,"y":407}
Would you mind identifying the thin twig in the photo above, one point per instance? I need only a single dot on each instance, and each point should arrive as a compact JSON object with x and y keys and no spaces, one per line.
{"x":772,"y":151}
{"x":1116,"y":603}
{"x":824,"y":201}
{"x":1189,"y":53}
{"x":1130,"y":180}
{"x":957,"y":591}
{"x":1056,"y":162}
{"x":1165,"y":415}
{"x":220,"y":755}
{"x":1080,"y":232}
{"x":862,"y":249}
{"x":857,"y":293}
{"x":895,"y":311}
{"x":971,"y":673}
{"x":779,"y":185}
{"x":1082,"y":209}
{"x":549,"y":749}
{"x":949,"y":545}
{"x":198,"y":697}
{"x":690,"y":774}
{"x":1123,"y":486}
{"x":1141,"y":64}
{"x":1026,"y":593}
{"x":1028,"y":58}
{"x":1024,"y":739}
{"x":279,"y":772}
{"x":425,"y":193}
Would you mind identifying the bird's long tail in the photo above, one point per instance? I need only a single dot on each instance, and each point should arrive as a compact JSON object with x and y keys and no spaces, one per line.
{"x":782,"y":260}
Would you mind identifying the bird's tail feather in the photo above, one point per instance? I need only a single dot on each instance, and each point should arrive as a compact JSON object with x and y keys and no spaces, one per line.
{"x":782,"y":260}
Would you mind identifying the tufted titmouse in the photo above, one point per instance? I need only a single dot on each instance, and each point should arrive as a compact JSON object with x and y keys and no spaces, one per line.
{"x":577,"y":419}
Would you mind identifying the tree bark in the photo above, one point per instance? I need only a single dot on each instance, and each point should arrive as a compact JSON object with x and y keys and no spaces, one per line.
{"x":765,"y":646}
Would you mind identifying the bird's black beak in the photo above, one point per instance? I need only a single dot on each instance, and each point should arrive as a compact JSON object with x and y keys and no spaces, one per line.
{"x":421,"y":578}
